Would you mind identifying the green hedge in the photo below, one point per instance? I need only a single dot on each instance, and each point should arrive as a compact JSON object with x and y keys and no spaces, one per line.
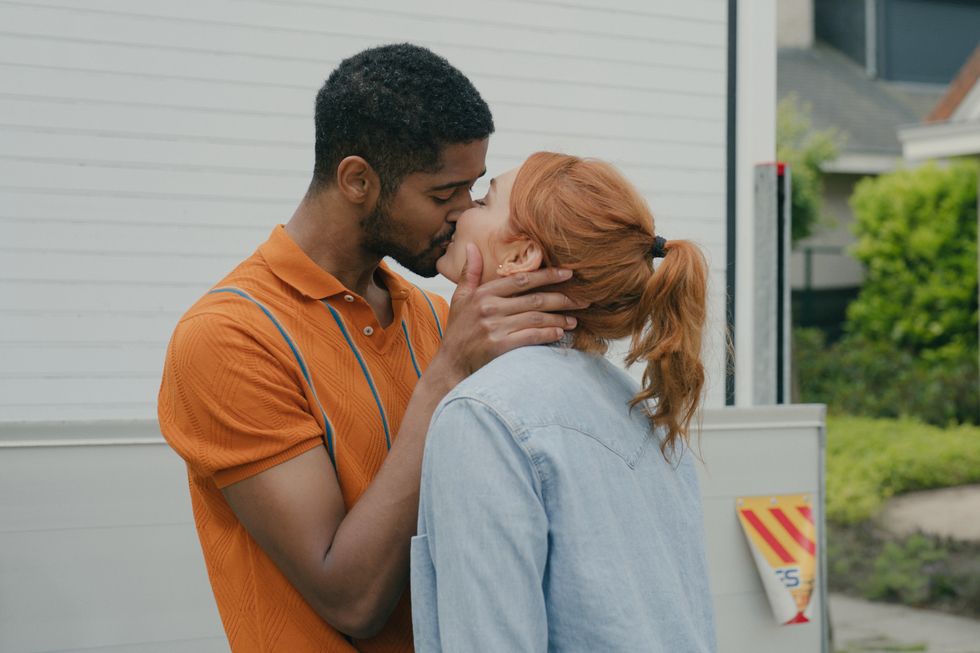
{"x":858,"y":376}
{"x":871,"y":460}
{"x":917,"y":239}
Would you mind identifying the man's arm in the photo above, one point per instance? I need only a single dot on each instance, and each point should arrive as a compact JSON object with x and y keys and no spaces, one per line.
{"x":353,"y":567}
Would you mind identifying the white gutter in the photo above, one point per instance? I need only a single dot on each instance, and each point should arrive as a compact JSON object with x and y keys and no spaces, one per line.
{"x":856,"y":163}
{"x":940,"y":140}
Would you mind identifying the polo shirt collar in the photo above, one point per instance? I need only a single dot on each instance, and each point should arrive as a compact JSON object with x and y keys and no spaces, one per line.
{"x":291,"y":264}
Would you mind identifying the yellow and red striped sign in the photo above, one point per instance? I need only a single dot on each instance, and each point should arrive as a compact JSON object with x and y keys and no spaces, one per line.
{"x":783,"y":539}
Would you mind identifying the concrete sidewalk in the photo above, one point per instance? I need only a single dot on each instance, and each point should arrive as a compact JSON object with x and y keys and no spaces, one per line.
{"x":948,"y":512}
{"x":866,"y":627}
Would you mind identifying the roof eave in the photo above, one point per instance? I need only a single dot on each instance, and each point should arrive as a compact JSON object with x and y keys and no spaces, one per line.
{"x":862,"y":163}
{"x":940,"y":140}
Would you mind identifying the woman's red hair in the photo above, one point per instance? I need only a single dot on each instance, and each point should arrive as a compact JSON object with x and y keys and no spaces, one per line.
{"x":586,"y":217}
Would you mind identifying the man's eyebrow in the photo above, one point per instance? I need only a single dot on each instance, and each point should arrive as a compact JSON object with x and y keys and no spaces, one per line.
{"x":456,"y":184}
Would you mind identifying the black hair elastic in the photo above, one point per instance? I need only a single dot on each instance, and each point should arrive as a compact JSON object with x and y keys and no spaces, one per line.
{"x":659,"y":245}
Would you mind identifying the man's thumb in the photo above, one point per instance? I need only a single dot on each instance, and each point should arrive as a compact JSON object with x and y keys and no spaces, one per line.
{"x":473,"y":268}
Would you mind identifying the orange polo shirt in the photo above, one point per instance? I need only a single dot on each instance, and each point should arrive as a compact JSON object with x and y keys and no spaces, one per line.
{"x":235,"y":401}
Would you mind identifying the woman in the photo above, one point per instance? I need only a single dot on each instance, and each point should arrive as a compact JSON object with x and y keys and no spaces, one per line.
{"x":559,"y":506}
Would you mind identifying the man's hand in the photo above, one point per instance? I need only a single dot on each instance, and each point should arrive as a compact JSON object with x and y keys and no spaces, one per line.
{"x":488,"y":320}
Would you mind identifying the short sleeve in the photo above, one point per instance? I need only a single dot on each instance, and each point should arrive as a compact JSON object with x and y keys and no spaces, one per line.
{"x":230,"y":405}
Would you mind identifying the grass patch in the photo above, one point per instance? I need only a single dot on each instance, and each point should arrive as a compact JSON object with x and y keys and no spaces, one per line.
{"x":871,"y":460}
{"x":881,"y":645}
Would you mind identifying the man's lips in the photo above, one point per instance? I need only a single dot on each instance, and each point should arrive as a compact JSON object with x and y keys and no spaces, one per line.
{"x":445,"y":242}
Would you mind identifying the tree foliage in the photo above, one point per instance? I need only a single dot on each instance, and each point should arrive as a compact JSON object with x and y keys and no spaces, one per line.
{"x":805,"y":150}
{"x":910,"y":347}
{"x":917,"y":238}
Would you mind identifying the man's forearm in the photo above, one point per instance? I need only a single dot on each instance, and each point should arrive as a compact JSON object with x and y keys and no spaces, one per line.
{"x":368,"y":561}
{"x":367,"y":565}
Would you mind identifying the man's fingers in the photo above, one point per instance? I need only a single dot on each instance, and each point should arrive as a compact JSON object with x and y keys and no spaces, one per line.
{"x":490,"y":319}
{"x":521,"y":283}
{"x":538,"y":301}
{"x":536,"y":320}
{"x":527,"y":337}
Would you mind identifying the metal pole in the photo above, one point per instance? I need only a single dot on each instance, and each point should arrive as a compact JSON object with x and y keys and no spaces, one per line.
{"x":807,"y":284}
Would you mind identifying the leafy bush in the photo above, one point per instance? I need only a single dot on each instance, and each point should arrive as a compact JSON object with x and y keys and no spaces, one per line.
{"x":874,"y":378}
{"x":917,"y":569}
{"x":917,"y":238}
{"x":901,"y":571}
{"x":911,"y":343}
{"x":871,"y":460}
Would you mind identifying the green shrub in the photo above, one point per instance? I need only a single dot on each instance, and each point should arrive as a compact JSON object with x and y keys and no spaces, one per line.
{"x":874,"y":378}
{"x":917,"y":239}
{"x":916,"y":569}
{"x":911,"y":343}
{"x":901,"y":572}
{"x":871,"y":460}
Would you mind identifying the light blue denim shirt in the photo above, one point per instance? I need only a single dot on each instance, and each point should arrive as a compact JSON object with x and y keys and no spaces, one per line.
{"x":549,"y":520}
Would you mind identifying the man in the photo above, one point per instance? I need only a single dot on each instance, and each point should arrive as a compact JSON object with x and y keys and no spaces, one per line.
{"x":299,"y":389}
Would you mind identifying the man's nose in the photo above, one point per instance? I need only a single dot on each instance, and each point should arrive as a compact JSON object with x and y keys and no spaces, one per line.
{"x":465,"y":202}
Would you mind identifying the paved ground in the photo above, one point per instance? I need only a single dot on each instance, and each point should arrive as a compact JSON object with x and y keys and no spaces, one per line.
{"x":950,"y":512}
{"x":865,"y":627}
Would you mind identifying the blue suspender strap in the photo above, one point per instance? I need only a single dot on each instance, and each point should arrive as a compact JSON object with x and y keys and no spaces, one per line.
{"x":364,"y":369}
{"x":411,"y":351}
{"x":327,"y":426}
{"x":433,"y":309}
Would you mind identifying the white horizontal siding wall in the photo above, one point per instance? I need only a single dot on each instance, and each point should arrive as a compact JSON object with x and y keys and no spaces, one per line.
{"x":147,"y":147}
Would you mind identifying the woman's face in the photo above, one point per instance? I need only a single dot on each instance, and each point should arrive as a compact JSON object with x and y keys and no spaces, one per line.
{"x":486,"y":226}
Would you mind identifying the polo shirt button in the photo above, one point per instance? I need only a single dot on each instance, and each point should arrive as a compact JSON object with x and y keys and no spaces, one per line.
{"x":348,"y":298}
{"x":368,"y":330}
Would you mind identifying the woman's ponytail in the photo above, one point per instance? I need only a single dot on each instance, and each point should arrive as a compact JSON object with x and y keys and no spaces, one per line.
{"x":668,"y":333}
{"x":586,"y":217}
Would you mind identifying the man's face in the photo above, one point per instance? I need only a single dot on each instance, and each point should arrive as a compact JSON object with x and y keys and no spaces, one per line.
{"x":415,"y":225}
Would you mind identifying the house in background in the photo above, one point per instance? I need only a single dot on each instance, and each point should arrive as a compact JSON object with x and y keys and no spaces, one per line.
{"x":866,"y":68}
{"x":952,"y":128}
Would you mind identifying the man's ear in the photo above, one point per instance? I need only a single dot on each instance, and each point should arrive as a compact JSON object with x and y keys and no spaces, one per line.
{"x":522,"y":255}
{"x":358,"y":181}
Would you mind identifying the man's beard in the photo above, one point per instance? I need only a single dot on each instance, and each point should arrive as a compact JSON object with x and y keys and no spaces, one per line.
{"x":384,"y":236}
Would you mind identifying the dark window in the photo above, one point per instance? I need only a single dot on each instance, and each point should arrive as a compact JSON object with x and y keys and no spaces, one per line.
{"x":926,"y":40}
{"x":841,"y":24}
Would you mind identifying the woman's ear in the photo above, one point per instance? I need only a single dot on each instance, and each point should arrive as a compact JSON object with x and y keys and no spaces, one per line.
{"x":358,"y":181}
{"x":522,"y":255}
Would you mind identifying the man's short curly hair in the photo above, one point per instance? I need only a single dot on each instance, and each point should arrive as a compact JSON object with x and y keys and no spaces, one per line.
{"x":396,"y":106}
